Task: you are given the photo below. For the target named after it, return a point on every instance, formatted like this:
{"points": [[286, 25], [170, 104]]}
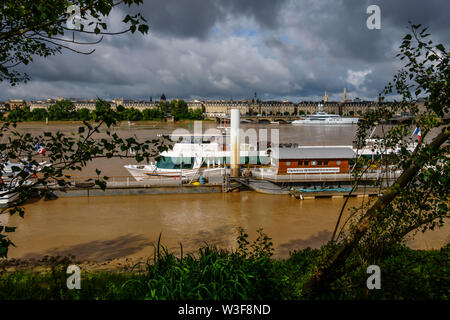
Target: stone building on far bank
{"points": [[15, 104]]}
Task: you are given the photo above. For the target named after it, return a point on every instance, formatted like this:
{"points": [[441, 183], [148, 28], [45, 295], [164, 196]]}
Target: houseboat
{"points": [[312, 159]]}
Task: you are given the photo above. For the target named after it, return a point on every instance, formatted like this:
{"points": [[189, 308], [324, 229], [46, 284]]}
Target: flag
{"points": [[39, 149], [29, 169], [417, 133]]}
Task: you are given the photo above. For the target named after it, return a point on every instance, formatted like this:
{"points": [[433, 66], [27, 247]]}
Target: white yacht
{"points": [[323, 118], [194, 155]]}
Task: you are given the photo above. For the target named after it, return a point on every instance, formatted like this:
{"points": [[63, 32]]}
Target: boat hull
{"points": [[326, 122], [7, 199], [148, 172]]}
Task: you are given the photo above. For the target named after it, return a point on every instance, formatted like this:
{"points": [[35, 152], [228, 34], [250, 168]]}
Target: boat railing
{"points": [[271, 174]]}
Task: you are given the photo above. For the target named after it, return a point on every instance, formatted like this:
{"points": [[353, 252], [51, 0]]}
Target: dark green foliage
{"points": [[39, 114], [152, 114], [405, 274], [61, 110], [65, 110], [83, 114], [180, 111], [102, 107], [18, 115]]}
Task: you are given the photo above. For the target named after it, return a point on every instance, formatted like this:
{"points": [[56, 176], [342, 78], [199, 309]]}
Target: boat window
{"points": [[314, 162], [338, 162], [168, 163], [320, 163], [288, 163], [325, 163], [165, 163], [305, 163], [187, 165]]}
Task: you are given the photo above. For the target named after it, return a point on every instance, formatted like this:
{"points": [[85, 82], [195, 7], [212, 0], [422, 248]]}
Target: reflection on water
{"points": [[101, 228]]}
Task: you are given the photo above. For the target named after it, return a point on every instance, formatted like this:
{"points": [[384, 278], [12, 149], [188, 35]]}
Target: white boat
{"points": [[6, 198], [7, 170], [197, 155], [323, 118], [11, 178], [7, 194]]}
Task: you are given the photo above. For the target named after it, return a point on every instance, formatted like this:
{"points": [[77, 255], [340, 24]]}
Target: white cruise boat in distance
{"points": [[323, 118], [195, 155]]}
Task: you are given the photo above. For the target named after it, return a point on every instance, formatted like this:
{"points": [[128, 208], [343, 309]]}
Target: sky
{"points": [[229, 49]]}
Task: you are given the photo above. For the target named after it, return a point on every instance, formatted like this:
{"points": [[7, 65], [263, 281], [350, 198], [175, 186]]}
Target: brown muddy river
{"points": [[102, 228]]}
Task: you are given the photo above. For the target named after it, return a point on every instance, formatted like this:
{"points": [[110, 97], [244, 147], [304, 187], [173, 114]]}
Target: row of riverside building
{"points": [[218, 108]]}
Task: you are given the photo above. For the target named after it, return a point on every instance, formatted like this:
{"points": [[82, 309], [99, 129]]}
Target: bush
{"points": [[249, 272]]}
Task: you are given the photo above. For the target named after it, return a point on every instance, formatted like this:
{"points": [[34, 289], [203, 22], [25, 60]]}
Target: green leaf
{"points": [[10, 229], [441, 47]]}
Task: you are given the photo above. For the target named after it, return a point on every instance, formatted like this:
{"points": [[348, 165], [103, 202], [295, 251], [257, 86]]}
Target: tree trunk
{"points": [[328, 272]]}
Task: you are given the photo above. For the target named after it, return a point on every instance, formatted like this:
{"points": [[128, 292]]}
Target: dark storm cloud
{"points": [[265, 12], [192, 18], [196, 18], [222, 49]]}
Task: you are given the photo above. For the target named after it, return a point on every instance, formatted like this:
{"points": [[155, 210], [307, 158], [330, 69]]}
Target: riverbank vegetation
{"points": [[64, 110], [249, 272]]}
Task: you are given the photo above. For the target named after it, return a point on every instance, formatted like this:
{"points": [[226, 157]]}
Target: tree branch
{"points": [[326, 273]]}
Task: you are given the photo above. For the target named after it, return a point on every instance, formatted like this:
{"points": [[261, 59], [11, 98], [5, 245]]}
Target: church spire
{"points": [[325, 97], [344, 99]]}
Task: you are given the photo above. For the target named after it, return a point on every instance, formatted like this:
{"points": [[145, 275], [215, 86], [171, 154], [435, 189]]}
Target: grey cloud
{"points": [[298, 50], [196, 18]]}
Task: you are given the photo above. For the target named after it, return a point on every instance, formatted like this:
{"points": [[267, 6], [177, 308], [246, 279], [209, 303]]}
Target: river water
{"points": [[108, 227]]}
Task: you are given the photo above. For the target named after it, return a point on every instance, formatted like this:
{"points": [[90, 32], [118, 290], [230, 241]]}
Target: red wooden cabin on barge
{"points": [[312, 159]]}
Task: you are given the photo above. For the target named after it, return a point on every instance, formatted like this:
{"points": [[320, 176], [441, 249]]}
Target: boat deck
{"points": [[272, 176]]}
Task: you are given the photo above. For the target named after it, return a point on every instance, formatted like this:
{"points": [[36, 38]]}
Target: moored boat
{"points": [[196, 155], [323, 118]]}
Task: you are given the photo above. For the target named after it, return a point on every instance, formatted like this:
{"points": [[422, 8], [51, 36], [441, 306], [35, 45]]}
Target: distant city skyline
{"points": [[325, 98], [215, 49]]}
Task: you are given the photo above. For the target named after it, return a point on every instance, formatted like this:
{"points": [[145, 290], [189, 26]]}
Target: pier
{"points": [[259, 180]]}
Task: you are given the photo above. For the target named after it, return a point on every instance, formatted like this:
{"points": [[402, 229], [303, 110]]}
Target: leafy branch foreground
{"points": [[249, 272]]}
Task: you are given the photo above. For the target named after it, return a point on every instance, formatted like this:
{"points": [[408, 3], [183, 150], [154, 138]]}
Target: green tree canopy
{"points": [[39, 114], [61, 110], [83, 114], [179, 109]]}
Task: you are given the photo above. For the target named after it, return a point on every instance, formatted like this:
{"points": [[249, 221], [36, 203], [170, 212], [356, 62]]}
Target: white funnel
{"points": [[235, 152]]}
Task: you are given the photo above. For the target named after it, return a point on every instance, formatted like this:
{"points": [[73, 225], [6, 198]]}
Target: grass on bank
{"points": [[246, 273]]}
